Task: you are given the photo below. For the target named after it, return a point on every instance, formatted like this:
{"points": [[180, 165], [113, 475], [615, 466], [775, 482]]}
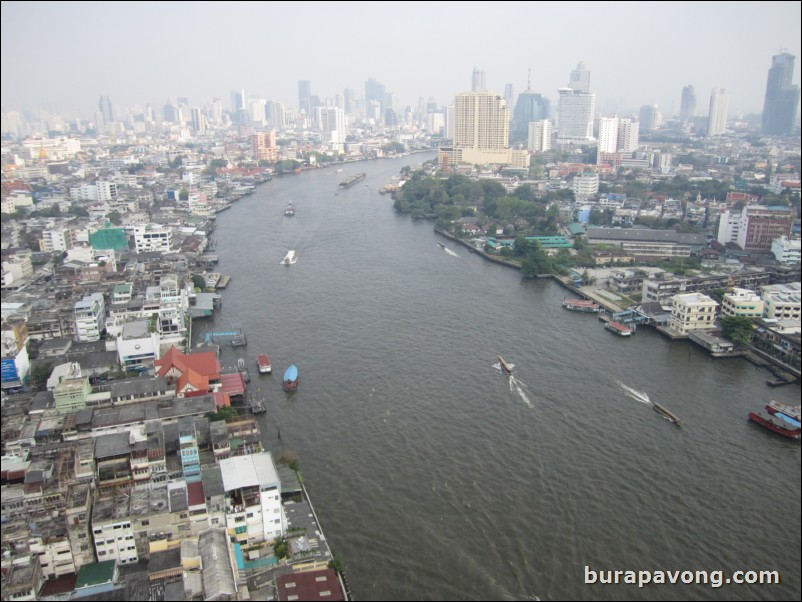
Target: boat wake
{"points": [[498, 367], [640, 396], [519, 388], [450, 252]]}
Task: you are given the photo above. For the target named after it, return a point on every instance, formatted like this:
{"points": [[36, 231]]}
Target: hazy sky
{"points": [[65, 55]]}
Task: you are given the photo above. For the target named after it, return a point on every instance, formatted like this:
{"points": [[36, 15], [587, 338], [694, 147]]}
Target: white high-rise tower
{"points": [[717, 118]]}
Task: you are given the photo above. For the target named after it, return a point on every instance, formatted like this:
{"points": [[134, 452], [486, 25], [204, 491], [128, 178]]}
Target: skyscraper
{"points": [[717, 117], [530, 107], [687, 107], [239, 114], [377, 92], [782, 98], [575, 110], [106, 110], [580, 79], [305, 96], [650, 118], [479, 83]]}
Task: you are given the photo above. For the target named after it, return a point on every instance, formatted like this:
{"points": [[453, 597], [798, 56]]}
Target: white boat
{"points": [[290, 210], [290, 258]]}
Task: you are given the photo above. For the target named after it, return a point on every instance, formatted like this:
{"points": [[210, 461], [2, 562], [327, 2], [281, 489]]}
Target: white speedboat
{"points": [[290, 258]]}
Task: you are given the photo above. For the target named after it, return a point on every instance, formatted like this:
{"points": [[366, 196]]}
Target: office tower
{"points": [[575, 111], [509, 95], [687, 107], [478, 82], [216, 111], [530, 107], [198, 121], [782, 98], [650, 118], [539, 139], [717, 117], [239, 113], [106, 110], [349, 98], [580, 79], [305, 96], [376, 92]]}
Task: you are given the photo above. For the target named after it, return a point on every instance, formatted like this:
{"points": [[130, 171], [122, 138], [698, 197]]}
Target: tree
{"points": [[39, 375], [336, 564], [115, 217], [738, 329], [226, 413], [198, 282]]}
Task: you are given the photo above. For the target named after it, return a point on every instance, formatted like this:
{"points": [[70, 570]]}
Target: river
{"points": [[434, 476]]}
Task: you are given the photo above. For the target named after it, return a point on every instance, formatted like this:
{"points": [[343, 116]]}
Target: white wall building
{"points": [[608, 134], [719, 108], [628, 135], [786, 250], [782, 301], [152, 237], [742, 302], [253, 498], [539, 136], [585, 185], [575, 113], [692, 311], [90, 317]]}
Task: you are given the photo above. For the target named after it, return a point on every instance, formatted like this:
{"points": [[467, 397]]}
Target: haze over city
{"points": [[64, 55]]}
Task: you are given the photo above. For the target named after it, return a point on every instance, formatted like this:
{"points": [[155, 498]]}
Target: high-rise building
{"points": [[376, 91], [106, 110], [575, 112], [509, 95], [530, 107], [539, 136], [481, 132], [650, 118], [305, 96], [478, 82], [263, 145], [687, 107], [333, 124], [782, 98], [349, 98], [239, 112], [580, 79], [717, 117], [628, 135], [608, 135], [198, 121]]}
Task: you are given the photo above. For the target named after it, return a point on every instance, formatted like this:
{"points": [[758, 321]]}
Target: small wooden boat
{"points": [[505, 367], [667, 414]]}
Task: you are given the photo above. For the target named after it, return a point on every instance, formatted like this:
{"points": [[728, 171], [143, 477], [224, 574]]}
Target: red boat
{"points": [[582, 305], [787, 427], [621, 330], [264, 363]]}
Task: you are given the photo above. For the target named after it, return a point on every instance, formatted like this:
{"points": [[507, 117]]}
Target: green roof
{"points": [[96, 573], [109, 238]]}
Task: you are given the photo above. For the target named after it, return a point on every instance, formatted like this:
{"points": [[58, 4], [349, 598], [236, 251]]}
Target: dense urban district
{"points": [[133, 465]]}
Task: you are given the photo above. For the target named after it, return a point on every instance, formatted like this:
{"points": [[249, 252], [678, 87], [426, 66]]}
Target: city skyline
{"points": [[67, 55]]}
